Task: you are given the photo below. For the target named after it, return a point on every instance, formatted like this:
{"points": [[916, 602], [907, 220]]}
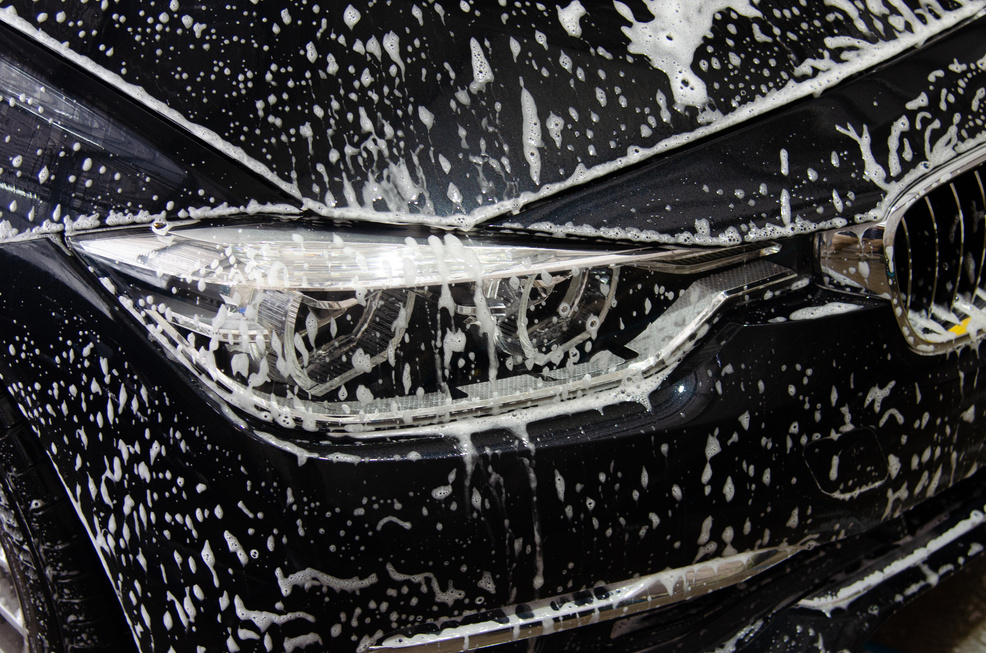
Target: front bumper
{"points": [[774, 434]]}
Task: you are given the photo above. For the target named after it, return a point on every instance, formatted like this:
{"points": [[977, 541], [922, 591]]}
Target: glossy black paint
{"points": [[103, 156], [212, 533], [767, 606], [331, 104], [200, 480], [719, 179]]}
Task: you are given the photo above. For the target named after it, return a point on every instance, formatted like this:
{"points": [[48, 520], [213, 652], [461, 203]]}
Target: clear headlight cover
{"points": [[348, 330]]}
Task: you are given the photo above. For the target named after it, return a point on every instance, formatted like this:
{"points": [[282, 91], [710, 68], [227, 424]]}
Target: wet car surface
{"points": [[436, 326]]}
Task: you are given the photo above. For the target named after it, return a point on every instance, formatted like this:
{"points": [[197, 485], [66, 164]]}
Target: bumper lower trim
{"points": [[581, 608], [827, 602]]}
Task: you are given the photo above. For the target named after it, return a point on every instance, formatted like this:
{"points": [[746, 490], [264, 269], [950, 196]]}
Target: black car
{"points": [[442, 325]]}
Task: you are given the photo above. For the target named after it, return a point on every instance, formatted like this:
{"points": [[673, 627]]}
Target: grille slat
{"points": [[921, 261], [966, 191], [956, 238], [935, 266], [977, 218], [904, 267]]}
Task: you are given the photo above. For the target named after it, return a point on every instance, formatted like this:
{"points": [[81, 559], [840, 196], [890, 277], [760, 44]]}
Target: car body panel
{"points": [[215, 527], [343, 542], [424, 123], [842, 157]]}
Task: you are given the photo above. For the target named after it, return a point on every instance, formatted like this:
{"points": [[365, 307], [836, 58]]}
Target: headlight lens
{"points": [[342, 330]]}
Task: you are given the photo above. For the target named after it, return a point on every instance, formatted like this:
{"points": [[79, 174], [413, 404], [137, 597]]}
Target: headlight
{"points": [[345, 330]]}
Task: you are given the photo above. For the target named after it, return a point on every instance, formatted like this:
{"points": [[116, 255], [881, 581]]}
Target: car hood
{"points": [[453, 113]]}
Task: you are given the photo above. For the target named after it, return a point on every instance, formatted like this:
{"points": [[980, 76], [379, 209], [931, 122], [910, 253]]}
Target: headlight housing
{"points": [[350, 330]]}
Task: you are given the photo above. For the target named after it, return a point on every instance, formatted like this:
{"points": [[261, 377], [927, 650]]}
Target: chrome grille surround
{"points": [[927, 256]]}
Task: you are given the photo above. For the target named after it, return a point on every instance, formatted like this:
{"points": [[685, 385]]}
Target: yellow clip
{"points": [[960, 329]]}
